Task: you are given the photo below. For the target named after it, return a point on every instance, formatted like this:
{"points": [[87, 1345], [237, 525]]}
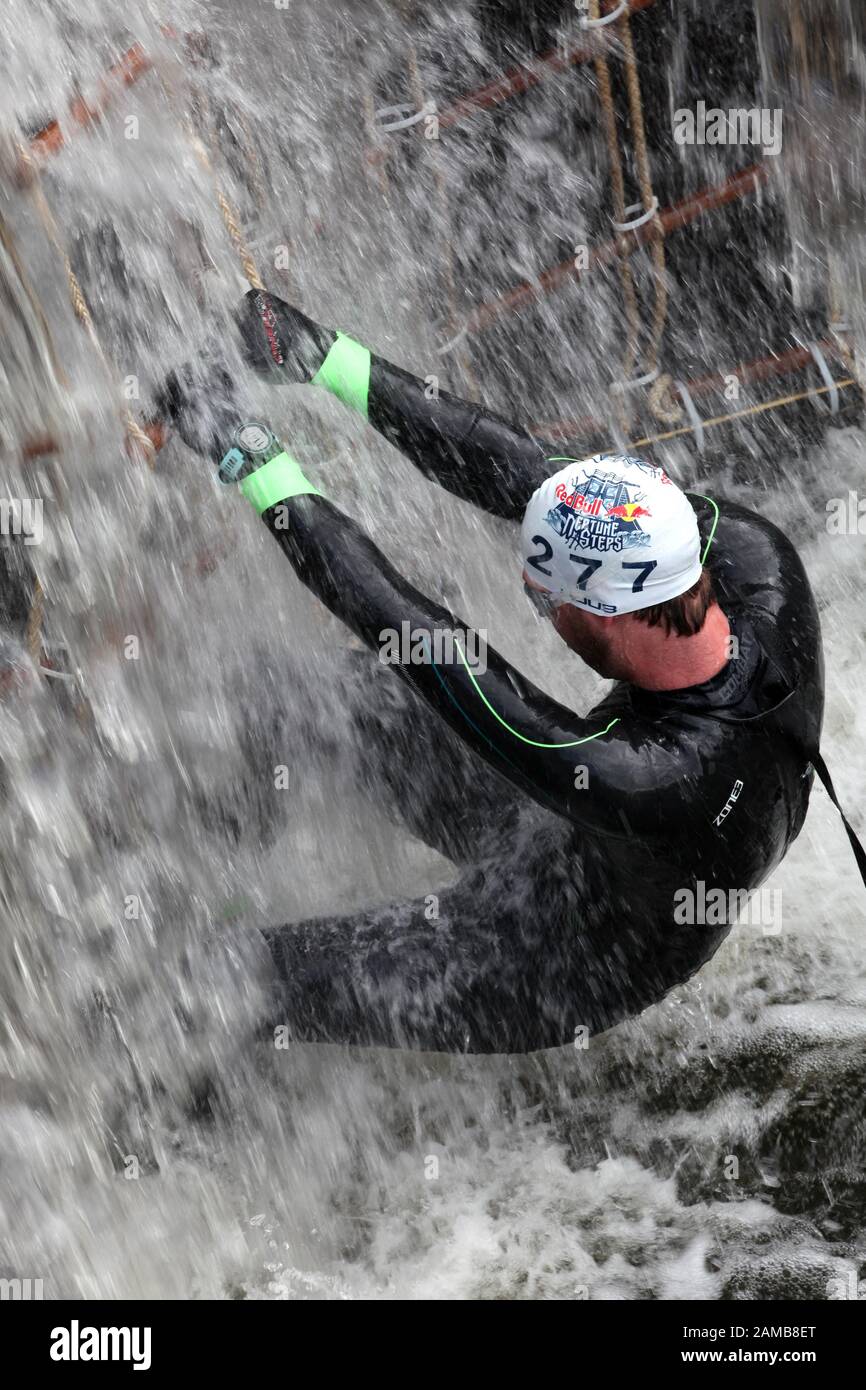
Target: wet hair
{"points": [[685, 614]]}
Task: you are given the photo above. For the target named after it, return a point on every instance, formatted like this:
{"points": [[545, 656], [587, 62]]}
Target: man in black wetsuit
{"points": [[580, 838]]}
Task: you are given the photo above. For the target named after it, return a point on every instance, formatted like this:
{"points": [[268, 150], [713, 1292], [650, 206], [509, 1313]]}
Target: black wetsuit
{"points": [[564, 916]]}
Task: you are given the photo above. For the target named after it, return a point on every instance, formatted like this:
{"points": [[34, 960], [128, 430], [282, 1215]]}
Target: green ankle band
{"points": [[276, 481], [345, 372]]}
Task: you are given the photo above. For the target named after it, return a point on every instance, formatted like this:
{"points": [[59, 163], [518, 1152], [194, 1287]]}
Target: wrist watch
{"points": [[253, 444]]}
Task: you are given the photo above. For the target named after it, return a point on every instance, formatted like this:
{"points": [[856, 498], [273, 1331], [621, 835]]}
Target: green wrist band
{"points": [[345, 372], [276, 481]]}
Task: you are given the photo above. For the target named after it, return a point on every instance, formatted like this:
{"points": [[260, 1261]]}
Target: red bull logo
{"points": [[597, 513], [590, 506], [629, 511]]}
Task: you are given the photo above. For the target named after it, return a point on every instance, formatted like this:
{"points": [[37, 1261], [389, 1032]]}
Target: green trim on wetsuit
{"points": [[711, 537], [345, 372], [574, 743], [276, 481]]}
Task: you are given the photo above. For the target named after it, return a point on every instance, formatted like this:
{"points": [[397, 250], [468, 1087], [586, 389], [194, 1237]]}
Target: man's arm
{"points": [[470, 451], [531, 740]]}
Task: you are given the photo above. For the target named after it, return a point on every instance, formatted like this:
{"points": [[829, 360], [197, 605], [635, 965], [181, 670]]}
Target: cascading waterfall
{"points": [[152, 1143]]}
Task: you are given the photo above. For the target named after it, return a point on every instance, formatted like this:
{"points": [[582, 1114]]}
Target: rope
{"points": [[661, 400], [35, 619], [740, 414], [661, 392], [140, 438], [236, 238], [650, 203], [632, 310], [230, 215]]}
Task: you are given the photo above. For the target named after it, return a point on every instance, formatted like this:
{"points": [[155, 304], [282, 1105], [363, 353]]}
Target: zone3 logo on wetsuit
{"points": [[730, 803]]}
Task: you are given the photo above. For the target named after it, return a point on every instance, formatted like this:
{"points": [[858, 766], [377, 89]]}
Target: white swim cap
{"points": [[612, 534]]}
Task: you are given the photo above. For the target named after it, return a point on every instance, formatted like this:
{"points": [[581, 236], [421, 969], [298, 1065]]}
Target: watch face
{"points": [[254, 439]]}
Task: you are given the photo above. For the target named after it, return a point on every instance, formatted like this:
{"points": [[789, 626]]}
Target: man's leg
{"points": [[503, 962]]}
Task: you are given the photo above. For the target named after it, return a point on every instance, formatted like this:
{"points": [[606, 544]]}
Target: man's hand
{"points": [[199, 401], [279, 341]]}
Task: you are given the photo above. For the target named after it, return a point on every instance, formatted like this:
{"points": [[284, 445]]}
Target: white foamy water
{"points": [[150, 1144]]}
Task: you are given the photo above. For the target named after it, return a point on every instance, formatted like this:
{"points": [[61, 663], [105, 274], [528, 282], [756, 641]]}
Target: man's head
{"points": [[612, 554]]}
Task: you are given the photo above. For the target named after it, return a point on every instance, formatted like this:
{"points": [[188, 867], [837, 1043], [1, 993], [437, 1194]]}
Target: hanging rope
{"points": [[660, 398], [663, 407], [230, 215], [629, 292], [35, 620], [236, 237]]}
